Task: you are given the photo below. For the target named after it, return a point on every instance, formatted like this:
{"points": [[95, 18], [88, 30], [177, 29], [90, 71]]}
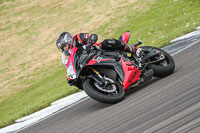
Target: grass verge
{"points": [[30, 81], [35, 98]]}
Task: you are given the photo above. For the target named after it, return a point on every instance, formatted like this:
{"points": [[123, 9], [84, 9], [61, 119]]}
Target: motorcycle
{"points": [[107, 75]]}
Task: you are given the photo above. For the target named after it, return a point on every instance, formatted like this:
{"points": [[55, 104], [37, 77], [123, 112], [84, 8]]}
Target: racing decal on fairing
{"points": [[133, 76], [96, 60]]}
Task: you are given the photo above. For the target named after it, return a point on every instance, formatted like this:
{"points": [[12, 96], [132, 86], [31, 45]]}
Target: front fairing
{"points": [[70, 68], [127, 72], [65, 58]]}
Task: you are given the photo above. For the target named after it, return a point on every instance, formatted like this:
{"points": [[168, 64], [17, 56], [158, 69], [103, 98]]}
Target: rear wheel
{"points": [[111, 92], [164, 67]]}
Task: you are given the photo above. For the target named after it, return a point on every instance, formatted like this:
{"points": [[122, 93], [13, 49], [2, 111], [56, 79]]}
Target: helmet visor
{"points": [[64, 45], [68, 39]]}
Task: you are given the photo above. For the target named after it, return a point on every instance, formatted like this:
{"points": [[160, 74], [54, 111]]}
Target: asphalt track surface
{"points": [[167, 105]]}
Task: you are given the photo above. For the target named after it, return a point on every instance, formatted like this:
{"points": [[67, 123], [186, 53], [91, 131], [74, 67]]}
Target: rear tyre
{"points": [[96, 93], [164, 67]]}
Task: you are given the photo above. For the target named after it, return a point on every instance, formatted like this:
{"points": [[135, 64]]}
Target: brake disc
{"points": [[109, 88]]}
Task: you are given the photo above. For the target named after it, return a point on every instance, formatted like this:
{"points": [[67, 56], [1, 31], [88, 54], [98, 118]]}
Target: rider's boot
{"points": [[129, 48]]}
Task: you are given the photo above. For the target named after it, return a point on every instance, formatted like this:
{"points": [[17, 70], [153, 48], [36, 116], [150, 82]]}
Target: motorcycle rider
{"points": [[83, 41]]}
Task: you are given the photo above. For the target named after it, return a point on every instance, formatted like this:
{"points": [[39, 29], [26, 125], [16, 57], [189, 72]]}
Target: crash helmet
{"points": [[64, 39]]}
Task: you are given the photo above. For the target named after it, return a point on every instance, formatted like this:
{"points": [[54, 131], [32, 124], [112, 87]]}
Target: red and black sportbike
{"points": [[107, 75]]}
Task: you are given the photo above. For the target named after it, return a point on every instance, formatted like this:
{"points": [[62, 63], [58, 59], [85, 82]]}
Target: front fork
{"points": [[97, 77], [102, 81]]}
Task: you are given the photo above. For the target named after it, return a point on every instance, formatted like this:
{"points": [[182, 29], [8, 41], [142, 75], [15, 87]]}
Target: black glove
{"points": [[92, 39]]}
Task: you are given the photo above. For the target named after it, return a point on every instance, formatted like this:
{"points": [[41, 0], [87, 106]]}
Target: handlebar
{"points": [[97, 47], [90, 48]]}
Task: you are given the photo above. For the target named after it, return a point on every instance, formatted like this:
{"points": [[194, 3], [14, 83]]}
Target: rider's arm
{"points": [[85, 38], [81, 38], [84, 41]]}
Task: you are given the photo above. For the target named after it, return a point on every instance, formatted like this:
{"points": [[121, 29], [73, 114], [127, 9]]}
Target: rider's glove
{"points": [[92, 39]]}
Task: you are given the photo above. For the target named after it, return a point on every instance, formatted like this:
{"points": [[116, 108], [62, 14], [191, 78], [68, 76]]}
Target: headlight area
{"points": [[70, 72]]}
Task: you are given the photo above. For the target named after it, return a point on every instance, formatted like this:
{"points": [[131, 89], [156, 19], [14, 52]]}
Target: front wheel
{"points": [[109, 94], [164, 67]]}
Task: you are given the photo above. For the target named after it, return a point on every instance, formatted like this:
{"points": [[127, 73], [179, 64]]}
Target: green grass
{"points": [[156, 22], [35, 98], [157, 26]]}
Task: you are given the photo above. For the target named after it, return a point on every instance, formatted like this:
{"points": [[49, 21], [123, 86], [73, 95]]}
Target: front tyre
{"points": [[164, 67], [110, 97]]}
